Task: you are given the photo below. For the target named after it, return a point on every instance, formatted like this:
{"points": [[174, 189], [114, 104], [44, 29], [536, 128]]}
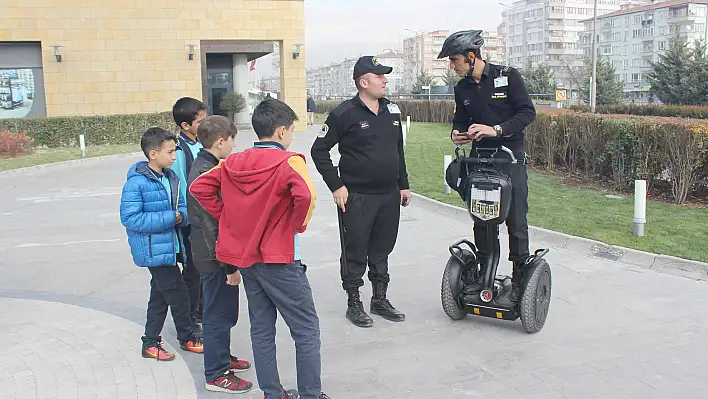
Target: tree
{"points": [[668, 76], [423, 80], [233, 102], [609, 89], [450, 78], [675, 77], [539, 79], [275, 59], [699, 73]]}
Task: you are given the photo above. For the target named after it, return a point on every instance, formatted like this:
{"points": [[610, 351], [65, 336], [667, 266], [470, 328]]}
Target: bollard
{"points": [[447, 160], [640, 207], [82, 144], [408, 122], [404, 130]]}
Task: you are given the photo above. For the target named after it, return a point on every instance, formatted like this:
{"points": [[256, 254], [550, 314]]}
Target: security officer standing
{"points": [[493, 108], [369, 188]]}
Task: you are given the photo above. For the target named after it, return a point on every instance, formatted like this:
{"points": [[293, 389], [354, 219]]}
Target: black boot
{"points": [[516, 276], [355, 310], [381, 306]]}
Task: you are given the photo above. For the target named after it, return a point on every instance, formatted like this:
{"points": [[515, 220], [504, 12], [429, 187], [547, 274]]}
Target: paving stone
{"points": [[614, 330]]}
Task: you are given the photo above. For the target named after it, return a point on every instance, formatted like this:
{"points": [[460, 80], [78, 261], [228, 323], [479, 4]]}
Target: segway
{"points": [[486, 191]]}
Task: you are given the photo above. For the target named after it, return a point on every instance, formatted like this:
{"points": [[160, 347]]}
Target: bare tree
{"points": [[276, 57], [577, 73]]}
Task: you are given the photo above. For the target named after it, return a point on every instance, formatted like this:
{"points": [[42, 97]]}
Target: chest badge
{"points": [[364, 124], [501, 81], [396, 123], [393, 108], [498, 95]]}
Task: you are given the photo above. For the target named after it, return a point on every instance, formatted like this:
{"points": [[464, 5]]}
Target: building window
{"points": [[21, 86], [678, 12]]}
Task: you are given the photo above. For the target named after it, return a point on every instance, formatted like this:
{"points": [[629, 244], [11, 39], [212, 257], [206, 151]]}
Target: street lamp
{"points": [[593, 79]]}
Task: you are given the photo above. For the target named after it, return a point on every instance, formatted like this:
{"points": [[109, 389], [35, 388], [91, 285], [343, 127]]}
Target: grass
{"points": [[49, 155], [585, 212]]}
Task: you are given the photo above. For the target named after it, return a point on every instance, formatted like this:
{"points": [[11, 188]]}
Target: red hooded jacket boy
{"points": [[262, 197]]}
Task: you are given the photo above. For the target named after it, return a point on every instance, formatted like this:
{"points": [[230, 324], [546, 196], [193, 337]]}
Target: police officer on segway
{"points": [[492, 109]]}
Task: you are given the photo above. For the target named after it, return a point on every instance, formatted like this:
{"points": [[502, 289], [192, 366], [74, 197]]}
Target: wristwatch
{"points": [[498, 129]]}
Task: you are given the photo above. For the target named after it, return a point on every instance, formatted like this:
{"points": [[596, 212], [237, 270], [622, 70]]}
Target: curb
{"points": [[585, 246], [71, 162]]}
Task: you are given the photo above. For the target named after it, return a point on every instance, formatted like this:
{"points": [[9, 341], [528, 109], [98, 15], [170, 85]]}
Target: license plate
{"points": [[484, 204]]}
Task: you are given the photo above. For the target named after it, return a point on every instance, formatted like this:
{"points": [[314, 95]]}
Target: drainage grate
{"points": [[607, 255]]}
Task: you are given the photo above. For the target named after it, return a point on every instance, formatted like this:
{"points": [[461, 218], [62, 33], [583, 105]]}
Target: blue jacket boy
{"points": [[148, 211]]}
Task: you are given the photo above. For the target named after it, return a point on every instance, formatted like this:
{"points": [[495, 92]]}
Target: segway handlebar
{"points": [[488, 161], [491, 160]]}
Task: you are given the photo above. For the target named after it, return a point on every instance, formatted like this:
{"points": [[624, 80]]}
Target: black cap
{"points": [[368, 64]]}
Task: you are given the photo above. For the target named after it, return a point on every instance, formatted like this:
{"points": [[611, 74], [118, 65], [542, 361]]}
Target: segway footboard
{"points": [[473, 307]]}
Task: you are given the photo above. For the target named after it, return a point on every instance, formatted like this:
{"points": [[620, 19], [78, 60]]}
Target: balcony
{"points": [[554, 39], [560, 51]]}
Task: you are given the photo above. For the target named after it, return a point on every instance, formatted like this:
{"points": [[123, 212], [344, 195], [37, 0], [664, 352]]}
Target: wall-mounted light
{"points": [[191, 51], [57, 53], [296, 53]]}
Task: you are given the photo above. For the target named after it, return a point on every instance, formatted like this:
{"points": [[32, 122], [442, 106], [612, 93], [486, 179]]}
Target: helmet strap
{"points": [[471, 63]]}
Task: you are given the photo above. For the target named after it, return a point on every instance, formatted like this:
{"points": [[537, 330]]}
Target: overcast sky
{"points": [[337, 29]]}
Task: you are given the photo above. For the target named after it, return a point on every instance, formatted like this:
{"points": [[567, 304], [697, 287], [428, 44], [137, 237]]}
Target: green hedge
{"points": [[111, 129], [434, 111], [617, 149], [680, 111], [670, 153]]}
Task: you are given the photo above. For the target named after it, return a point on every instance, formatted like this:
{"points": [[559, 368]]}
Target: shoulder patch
{"points": [[340, 109], [323, 131]]}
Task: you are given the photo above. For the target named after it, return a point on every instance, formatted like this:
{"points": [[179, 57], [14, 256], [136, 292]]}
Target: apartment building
{"points": [[421, 55], [397, 60], [335, 80], [494, 49], [634, 38], [549, 32]]}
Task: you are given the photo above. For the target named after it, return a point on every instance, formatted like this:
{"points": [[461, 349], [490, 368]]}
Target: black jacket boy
{"points": [[205, 228]]}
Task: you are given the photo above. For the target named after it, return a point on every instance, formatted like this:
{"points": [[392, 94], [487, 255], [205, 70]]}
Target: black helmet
{"points": [[461, 43]]}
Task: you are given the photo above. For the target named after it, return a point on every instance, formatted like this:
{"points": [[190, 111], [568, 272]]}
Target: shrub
{"points": [[681, 111], [98, 130], [326, 106], [14, 144], [233, 102], [616, 148], [435, 111], [621, 149]]}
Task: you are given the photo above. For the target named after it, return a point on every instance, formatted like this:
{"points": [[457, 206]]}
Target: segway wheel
{"points": [[452, 285], [536, 299]]}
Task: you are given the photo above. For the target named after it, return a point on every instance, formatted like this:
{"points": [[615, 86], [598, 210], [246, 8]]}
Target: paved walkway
{"points": [[72, 309]]}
